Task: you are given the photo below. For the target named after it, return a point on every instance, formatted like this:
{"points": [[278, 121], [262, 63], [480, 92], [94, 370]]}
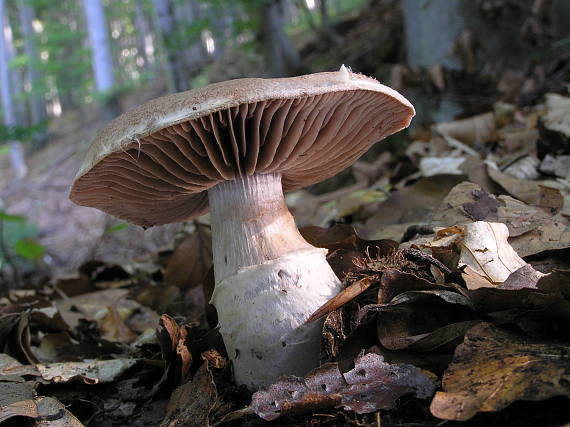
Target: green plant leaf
{"points": [[11, 218], [117, 227], [29, 249]]}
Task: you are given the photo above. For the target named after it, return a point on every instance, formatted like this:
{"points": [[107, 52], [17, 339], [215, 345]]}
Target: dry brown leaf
{"points": [[191, 403], [493, 368], [412, 205], [532, 229], [174, 348], [486, 250], [46, 411], [477, 129], [91, 372], [343, 297], [474, 280], [531, 192], [408, 321], [191, 260], [113, 327]]}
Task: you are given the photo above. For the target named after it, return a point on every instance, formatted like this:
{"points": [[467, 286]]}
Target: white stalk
{"points": [[269, 280]]}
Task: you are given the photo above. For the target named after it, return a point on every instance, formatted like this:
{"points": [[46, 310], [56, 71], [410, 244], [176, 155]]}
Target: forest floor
{"points": [[454, 253]]}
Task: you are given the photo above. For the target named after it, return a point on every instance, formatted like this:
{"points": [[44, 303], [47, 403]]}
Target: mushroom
{"points": [[234, 147]]}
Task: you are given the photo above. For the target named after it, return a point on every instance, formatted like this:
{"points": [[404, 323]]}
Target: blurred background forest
{"points": [[69, 66]]}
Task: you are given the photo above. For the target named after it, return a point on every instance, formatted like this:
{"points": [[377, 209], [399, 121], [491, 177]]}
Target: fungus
{"points": [[234, 147]]}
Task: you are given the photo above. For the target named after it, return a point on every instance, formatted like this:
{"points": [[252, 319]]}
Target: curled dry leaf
{"points": [[91, 372], [493, 369], [372, 385], [173, 344], [485, 249]]}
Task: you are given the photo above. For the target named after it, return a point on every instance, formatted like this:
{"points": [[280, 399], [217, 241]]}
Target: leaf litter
{"points": [[456, 300]]}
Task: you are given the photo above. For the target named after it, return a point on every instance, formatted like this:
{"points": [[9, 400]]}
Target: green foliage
{"points": [[22, 133], [17, 238]]}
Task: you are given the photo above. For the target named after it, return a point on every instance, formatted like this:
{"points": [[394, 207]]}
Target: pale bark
{"points": [[37, 102], [10, 120], [177, 81], [100, 47], [143, 35], [195, 55], [102, 59]]}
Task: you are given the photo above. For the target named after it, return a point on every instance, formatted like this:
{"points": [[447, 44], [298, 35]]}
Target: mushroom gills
{"points": [[269, 280]]}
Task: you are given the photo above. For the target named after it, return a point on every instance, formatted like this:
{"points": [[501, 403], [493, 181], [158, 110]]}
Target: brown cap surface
{"points": [[152, 165]]}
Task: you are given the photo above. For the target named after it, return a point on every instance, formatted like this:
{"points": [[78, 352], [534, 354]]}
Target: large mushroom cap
{"points": [[152, 165]]}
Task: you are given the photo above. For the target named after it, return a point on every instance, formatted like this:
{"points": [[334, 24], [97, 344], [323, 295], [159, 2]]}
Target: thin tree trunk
{"points": [[281, 56], [16, 152], [143, 34], [194, 53], [326, 24], [164, 13], [102, 60], [37, 102]]}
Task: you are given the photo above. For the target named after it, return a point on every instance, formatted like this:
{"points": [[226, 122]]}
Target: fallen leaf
{"points": [[46, 411], [476, 129], [431, 166], [191, 260], [408, 322], [486, 250], [412, 205], [493, 368], [343, 297], [191, 403], [90, 372], [372, 385], [531, 192], [524, 277], [173, 344], [113, 327]]}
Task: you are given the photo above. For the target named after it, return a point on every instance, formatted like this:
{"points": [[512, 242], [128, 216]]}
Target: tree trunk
{"points": [[16, 152], [143, 35], [37, 102], [326, 24], [102, 60], [194, 53], [281, 56], [174, 61], [431, 28]]}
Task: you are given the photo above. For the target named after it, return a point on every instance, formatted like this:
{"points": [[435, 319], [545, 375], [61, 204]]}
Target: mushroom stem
{"points": [[269, 280]]}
